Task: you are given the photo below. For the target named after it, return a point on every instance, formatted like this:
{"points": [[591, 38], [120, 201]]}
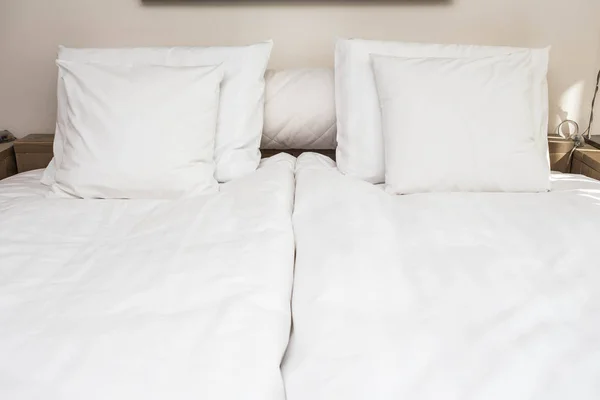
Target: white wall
{"points": [[304, 34]]}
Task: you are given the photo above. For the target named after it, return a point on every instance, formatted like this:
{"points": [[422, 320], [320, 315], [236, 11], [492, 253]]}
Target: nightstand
{"points": [[586, 161], [33, 151], [8, 165], [559, 150]]}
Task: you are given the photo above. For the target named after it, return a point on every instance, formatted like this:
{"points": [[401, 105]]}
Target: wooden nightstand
{"points": [[33, 151], [8, 164], [586, 161], [559, 150]]}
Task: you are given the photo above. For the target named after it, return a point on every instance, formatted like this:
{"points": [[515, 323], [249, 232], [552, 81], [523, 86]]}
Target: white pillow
{"points": [[477, 114], [299, 109], [241, 105], [360, 141], [138, 131]]}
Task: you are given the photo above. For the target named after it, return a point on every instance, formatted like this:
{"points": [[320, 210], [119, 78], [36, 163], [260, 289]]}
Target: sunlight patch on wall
{"points": [[571, 104]]}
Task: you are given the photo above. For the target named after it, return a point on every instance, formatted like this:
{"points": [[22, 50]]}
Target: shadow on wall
{"points": [[577, 99]]}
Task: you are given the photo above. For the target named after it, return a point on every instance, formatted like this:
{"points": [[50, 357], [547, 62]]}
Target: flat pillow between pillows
{"points": [[119, 120], [469, 124]]}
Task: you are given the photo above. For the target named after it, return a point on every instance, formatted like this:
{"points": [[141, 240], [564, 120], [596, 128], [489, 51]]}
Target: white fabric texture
{"points": [[117, 120], [443, 295], [299, 109], [478, 114], [241, 106], [147, 299], [360, 151]]}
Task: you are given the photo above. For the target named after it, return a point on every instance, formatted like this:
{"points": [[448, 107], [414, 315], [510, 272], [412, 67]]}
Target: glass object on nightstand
{"points": [[6, 136]]}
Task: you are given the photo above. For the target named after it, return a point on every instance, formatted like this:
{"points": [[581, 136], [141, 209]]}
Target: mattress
{"points": [[131, 299], [443, 296]]}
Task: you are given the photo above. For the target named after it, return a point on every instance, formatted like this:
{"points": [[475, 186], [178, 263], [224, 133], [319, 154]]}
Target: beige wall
{"points": [[304, 34]]}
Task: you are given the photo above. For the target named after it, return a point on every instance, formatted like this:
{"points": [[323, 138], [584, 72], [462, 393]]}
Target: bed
{"points": [[443, 295], [132, 299]]}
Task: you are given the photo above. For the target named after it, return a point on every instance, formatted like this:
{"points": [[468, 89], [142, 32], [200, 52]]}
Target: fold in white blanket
{"points": [[443, 296], [131, 299]]}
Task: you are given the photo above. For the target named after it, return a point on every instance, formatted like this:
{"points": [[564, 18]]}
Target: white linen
{"points": [[299, 109], [360, 151], [465, 102], [118, 120], [139, 299], [241, 106], [443, 295]]}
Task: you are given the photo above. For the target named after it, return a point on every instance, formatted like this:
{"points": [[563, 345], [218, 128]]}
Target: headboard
{"points": [[299, 112]]}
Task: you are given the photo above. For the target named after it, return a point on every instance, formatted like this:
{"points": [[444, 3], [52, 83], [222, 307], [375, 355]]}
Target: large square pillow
{"points": [[452, 124], [241, 104], [360, 141], [138, 131]]}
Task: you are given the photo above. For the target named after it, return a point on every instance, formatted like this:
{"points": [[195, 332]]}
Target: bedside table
{"points": [[33, 151], [8, 164], [559, 150], [586, 161]]}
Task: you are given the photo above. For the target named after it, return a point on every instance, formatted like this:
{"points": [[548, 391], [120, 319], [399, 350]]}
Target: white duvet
{"points": [[443, 296], [111, 299]]}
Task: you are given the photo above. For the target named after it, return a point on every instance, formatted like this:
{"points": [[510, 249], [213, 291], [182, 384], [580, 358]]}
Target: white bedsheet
{"points": [[443, 296], [111, 299]]}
